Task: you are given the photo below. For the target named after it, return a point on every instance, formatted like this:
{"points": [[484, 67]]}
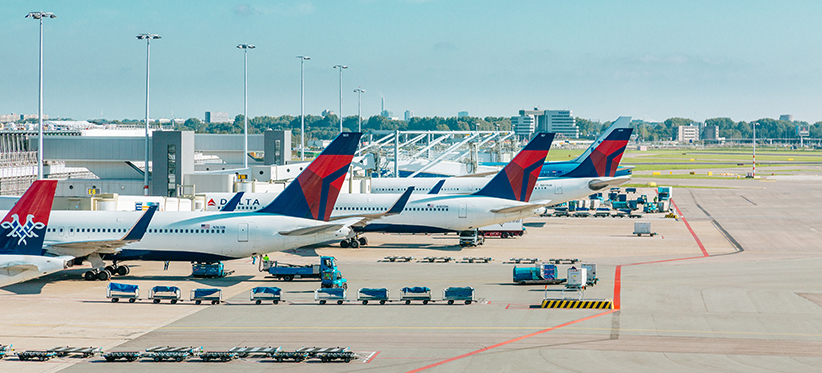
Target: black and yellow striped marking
{"points": [[565, 303]]}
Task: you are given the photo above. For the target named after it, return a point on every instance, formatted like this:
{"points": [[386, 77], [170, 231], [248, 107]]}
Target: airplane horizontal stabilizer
{"points": [[598, 184], [394, 210], [514, 209], [307, 231]]}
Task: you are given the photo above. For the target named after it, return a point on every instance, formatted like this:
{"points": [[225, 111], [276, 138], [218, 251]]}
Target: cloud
{"points": [[245, 10], [444, 46]]}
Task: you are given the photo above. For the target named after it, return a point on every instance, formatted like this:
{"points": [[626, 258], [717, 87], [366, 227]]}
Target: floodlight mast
{"points": [[148, 38], [341, 67], [302, 105], [39, 16], [245, 48]]}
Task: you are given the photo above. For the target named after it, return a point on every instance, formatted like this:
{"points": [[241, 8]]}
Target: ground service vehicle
{"points": [[326, 271]]}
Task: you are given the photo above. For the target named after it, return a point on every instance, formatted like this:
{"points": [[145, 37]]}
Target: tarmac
{"points": [[731, 285]]}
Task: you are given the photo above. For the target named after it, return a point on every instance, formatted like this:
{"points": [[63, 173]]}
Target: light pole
{"points": [[147, 38], [302, 105], [359, 91], [40, 16], [753, 164], [245, 48], [341, 67]]}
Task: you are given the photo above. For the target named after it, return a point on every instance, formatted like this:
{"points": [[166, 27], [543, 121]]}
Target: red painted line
{"points": [[698, 242], [617, 300], [617, 286], [372, 357], [509, 305], [510, 341]]}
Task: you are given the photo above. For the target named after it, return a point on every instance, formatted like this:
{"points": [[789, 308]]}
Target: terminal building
{"points": [[556, 121]]}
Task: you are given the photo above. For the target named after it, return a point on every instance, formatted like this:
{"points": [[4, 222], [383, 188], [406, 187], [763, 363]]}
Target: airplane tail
{"points": [[604, 160], [24, 227], [231, 205], [516, 181], [313, 194]]}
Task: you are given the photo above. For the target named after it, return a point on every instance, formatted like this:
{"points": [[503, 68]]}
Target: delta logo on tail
{"points": [[313, 194], [24, 227], [604, 160], [516, 181]]}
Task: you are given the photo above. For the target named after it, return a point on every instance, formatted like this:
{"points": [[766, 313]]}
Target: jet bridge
{"points": [[445, 153]]}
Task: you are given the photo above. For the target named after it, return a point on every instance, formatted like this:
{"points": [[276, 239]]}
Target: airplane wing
{"points": [[80, 249], [530, 206], [397, 208], [325, 228]]}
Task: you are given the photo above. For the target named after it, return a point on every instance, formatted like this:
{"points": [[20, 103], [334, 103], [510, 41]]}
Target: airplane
{"points": [[506, 197], [299, 216], [595, 172], [22, 256]]}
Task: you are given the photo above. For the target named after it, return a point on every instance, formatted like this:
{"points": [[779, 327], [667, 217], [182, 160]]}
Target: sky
{"points": [[652, 59]]}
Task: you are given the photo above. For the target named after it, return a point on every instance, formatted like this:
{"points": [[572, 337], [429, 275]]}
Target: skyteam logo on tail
{"points": [[22, 231]]}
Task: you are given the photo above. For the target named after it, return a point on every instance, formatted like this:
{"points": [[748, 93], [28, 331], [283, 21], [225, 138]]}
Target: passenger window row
{"points": [[195, 231]]}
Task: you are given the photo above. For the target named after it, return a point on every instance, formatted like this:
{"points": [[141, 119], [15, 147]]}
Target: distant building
{"points": [[8, 118], [217, 117], [710, 133], [786, 117], [462, 114], [408, 115], [687, 134], [327, 113], [556, 121], [523, 125]]}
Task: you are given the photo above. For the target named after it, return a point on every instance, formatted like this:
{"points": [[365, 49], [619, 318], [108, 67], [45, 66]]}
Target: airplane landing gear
{"points": [[106, 273], [97, 274], [120, 270], [353, 242]]}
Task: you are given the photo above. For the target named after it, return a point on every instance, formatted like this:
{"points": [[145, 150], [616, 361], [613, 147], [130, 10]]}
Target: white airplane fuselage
{"points": [[557, 190], [187, 236], [422, 214]]}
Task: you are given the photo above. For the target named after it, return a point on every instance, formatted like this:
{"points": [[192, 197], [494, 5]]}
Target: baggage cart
{"points": [[160, 292], [421, 293], [582, 212], [435, 259], [621, 213], [62, 351], [222, 356], [324, 295], [124, 355], [523, 260], [4, 350], [463, 294], [602, 212], [642, 227], [115, 291], [178, 354], [41, 355], [266, 293], [215, 296], [249, 351], [396, 258], [281, 356], [560, 211], [475, 259], [591, 270], [365, 295]]}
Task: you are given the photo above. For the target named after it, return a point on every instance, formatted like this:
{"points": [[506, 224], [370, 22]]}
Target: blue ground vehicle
{"points": [[326, 271]]}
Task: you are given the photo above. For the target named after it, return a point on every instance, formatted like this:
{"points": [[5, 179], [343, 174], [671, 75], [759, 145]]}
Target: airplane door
{"points": [[242, 232], [463, 210], [558, 189]]}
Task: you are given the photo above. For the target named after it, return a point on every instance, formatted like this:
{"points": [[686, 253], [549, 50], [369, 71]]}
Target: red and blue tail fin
{"points": [[516, 181], [604, 160], [313, 194], [24, 227]]}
